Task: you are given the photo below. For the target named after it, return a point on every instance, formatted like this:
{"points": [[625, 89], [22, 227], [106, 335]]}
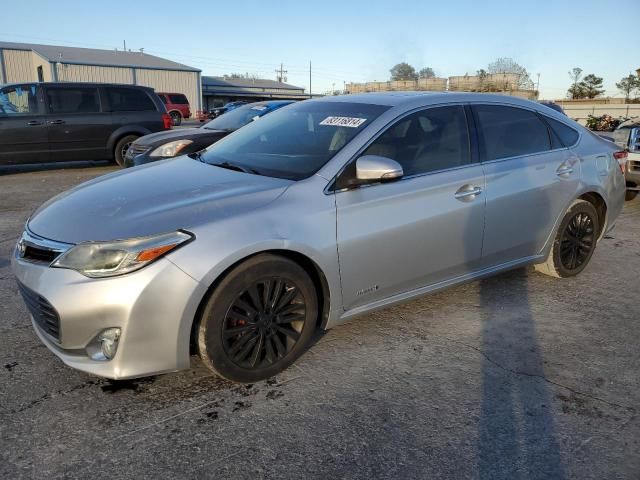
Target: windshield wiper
{"points": [[236, 167]]}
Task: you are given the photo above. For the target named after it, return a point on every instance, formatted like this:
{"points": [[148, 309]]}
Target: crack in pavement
{"points": [[542, 377]]}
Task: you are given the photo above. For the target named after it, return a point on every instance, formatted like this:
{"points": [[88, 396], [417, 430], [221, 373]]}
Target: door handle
{"points": [[564, 170], [467, 192], [34, 123], [56, 122]]}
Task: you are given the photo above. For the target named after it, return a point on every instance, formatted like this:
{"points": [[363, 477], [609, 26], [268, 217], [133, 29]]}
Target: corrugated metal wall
{"points": [[171, 81], [93, 73], [38, 61], [18, 66]]}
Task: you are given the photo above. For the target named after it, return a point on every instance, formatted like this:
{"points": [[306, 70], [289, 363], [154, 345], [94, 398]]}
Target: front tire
{"points": [[120, 150], [258, 320], [575, 241]]}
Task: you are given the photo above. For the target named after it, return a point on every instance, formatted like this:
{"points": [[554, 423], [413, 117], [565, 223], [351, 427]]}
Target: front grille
{"points": [[38, 254], [634, 166], [42, 311]]}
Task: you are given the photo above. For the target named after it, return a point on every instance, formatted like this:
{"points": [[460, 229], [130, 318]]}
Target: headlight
{"points": [[107, 259], [170, 149]]}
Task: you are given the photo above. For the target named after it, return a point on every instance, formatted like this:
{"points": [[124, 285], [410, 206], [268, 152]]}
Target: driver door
{"points": [[422, 229]]}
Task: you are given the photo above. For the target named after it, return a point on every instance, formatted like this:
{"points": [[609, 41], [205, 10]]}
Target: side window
{"points": [[567, 135], [73, 100], [509, 131], [426, 141], [20, 100], [124, 99], [178, 99]]}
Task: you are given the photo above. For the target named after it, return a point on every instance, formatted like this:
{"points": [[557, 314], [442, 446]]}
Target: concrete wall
{"points": [[580, 112]]}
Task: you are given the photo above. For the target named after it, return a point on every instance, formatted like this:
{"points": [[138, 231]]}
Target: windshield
{"points": [[237, 117], [294, 142]]}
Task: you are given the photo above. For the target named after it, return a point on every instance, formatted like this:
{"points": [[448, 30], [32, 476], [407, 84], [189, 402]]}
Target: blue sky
{"points": [[350, 41]]}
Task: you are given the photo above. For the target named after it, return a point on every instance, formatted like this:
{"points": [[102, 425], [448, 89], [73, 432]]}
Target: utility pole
{"points": [[280, 74], [538, 86], [310, 96], [124, 42]]}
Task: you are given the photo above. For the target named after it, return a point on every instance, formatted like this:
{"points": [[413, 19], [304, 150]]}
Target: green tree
{"points": [[508, 65], [403, 71], [575, 91], [426, 72], [592, 86], [628, 85]]}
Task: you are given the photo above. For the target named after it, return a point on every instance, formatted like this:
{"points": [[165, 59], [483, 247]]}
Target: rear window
{"points": [[567, 135], [178, 99], [73, 100], [129, 100], [509, 132]]}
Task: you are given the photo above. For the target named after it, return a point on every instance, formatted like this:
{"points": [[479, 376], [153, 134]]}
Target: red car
{"points": [[177, 106]]}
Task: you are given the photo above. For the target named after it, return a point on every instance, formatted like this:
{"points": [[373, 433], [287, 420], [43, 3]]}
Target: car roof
{"points": [[393, 99]]}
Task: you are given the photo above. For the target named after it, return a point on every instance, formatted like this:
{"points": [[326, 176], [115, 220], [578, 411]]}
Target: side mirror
{"points": [[375, 168]]}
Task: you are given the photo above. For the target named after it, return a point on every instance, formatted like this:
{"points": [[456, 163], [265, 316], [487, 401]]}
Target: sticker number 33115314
{"points": [[351, 122]]}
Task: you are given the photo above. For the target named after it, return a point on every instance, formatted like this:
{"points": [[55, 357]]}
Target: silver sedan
{"points": [[322, 211]]}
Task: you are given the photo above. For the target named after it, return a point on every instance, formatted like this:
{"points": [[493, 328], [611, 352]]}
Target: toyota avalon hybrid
{"points": [[319, 212]]}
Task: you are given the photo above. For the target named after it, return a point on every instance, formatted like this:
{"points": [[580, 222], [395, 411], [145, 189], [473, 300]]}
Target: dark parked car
{"points": [[158, 146], [50, 122]]}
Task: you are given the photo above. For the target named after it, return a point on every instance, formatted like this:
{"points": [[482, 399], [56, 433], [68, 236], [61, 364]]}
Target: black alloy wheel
{"points": [[264, 323], [577, 242], [259, 319]]}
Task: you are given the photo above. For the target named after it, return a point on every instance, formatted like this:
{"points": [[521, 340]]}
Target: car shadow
{"points": [[516, 429]]}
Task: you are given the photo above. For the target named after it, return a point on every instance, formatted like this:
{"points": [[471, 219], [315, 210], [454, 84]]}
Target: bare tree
{"points": [[508, 65], [575, 91]]}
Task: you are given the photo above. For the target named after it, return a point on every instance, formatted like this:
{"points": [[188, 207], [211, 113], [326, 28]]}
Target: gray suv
{"points": [[317, 213], [51, 122]]}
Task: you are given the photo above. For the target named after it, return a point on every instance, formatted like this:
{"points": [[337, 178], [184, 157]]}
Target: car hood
{"points": [[156, 198], [160, 138]]}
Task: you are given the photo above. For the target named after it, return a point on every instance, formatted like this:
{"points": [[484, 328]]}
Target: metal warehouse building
{"points": [[25, 62], [219, 90]]}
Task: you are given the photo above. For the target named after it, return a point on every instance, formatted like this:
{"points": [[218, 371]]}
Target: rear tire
{"points": [[575, 242], [258, 320], [176, 118], [121, 148]]}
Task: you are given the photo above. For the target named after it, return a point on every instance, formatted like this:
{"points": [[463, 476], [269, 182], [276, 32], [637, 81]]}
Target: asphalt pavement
{"points": [[520, 376]]}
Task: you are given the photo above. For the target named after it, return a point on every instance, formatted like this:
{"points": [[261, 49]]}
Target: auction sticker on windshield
{"points": [[351, 122]]}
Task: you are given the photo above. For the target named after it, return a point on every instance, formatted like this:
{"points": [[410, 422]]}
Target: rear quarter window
{"points": [[178, 99], [122, 99], [567, 135]]}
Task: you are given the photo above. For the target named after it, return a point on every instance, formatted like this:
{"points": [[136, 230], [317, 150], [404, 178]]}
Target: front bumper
{"points": [[154, 307]]}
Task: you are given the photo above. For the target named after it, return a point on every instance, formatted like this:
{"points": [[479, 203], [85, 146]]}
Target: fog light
{"points": [[105, 345]]}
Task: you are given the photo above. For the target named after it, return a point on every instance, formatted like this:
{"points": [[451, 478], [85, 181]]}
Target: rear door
{"points": [[78, 129], [23, 127], [530, 178], [420, 230]]}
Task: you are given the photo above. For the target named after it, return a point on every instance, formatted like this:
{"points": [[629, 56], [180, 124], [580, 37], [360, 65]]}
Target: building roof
{"points": [[92, 56], [247, 83]]}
